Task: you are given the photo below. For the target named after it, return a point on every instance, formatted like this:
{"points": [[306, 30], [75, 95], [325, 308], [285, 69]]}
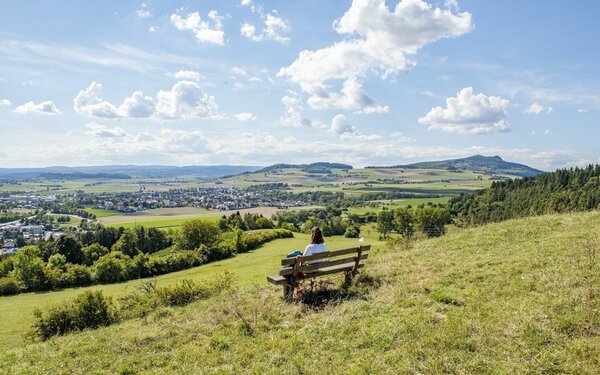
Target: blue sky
{"points": [[367, 82]]}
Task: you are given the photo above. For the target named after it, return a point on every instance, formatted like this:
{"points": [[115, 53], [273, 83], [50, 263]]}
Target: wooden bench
{"points": [[300, 268]]}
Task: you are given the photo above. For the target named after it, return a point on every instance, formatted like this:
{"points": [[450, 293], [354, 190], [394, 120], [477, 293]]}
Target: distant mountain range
{"points": [[125, 171], [477, 163]]}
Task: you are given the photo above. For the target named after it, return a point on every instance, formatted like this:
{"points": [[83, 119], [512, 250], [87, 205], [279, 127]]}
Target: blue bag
{"points": [[294, 254]]}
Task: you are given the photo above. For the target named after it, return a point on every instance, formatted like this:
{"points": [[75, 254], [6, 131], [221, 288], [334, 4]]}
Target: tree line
{"points": [[109, 255], [565, 190]]}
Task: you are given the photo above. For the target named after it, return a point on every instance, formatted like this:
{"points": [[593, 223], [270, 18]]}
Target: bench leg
{"points": [[288, 291], [347, 279]]}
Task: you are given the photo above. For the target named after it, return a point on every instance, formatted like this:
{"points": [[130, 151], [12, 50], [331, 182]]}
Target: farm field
{"points": [[375, 206], [501, 298], [166, 218], [248, 268]]}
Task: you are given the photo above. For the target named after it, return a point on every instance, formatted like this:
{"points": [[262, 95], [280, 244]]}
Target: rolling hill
{"points": [[513, 297], [477, 163]]}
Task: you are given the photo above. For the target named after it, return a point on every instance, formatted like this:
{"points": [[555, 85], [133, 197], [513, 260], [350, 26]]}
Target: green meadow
{"points": [[519, 296]]}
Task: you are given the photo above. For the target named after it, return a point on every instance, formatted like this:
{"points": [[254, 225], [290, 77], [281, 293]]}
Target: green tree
{"points": [[194, 233], [29, 268], [70, 248], [111, 267], [431, 220], [93, 252], [404, 221], [127, 243], [57, 261], [385, 222]]}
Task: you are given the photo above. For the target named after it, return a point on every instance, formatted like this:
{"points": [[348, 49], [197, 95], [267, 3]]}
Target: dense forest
{"points": [[565, 190]]}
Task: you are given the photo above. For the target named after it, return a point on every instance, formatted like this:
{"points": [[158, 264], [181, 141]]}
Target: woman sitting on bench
{"points": [[317, 244]]}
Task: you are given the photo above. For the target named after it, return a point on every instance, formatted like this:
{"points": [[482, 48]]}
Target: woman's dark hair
{"points": [[316, 236]]}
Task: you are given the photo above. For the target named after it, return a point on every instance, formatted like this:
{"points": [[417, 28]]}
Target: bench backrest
{"points": [[300, 264]]}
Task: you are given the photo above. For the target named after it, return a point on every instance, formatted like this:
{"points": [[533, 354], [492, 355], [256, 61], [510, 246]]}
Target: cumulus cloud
{"points": [[537, 108], [245, 116], [44, 108], [204, 31], [341, 127], [4, 102], [101, 131], [184, 100], [143, 11], [292, 115], [274, 28], [381, 41], [188, 75], [467, 113]]}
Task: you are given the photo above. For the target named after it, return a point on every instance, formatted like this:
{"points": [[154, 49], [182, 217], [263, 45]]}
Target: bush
{"points": [[197, 232], [87, 310], [352, 231], [111, 267], [93, 252], [9, 286], [256, 238], [6, 265], [78, 275]]}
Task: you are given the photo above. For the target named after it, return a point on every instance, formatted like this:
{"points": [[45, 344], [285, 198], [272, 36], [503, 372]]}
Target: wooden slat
{"points": [[325, 255], [315, 266], [330, 270], [276, 279]]}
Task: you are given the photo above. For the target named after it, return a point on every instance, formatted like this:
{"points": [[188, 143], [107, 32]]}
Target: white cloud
{"points": [[245, 3], [184, 100], [238, 71], [582, 110], [27, 83], [89, 102], [245, 116], [143, 11], [152, 29], [293, 112], [381, 41], [189, 75], [137, 106], [341, 127], [467, 113], [101, 131], [4, 102], [203, 30], [537, 108], [44, 108], [274, 29]]}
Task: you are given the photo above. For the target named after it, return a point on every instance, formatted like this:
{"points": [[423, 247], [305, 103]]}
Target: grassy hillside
{"points": [[520, 296], [16, 312]]}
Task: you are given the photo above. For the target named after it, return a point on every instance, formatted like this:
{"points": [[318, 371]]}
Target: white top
{"points": [[315, 249]]}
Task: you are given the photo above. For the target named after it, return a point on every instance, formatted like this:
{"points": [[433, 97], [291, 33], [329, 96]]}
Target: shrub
{"points": [[8, 286], [78, 275], [6, 265], [87, 310], [111, 267], [57, 261], [256, 238], [352, 231]]}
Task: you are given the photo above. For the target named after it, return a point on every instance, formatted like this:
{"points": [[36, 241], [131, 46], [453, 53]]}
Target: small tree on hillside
{"points": [[385, 222]]}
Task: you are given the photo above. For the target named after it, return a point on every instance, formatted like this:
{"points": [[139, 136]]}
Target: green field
{"points": [[101, 212], [396, 203], [515, 297], [252, 267]]}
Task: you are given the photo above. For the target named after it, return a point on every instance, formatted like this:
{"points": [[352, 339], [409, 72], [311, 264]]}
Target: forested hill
{"points": [[561, 191], [478, 163]]}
